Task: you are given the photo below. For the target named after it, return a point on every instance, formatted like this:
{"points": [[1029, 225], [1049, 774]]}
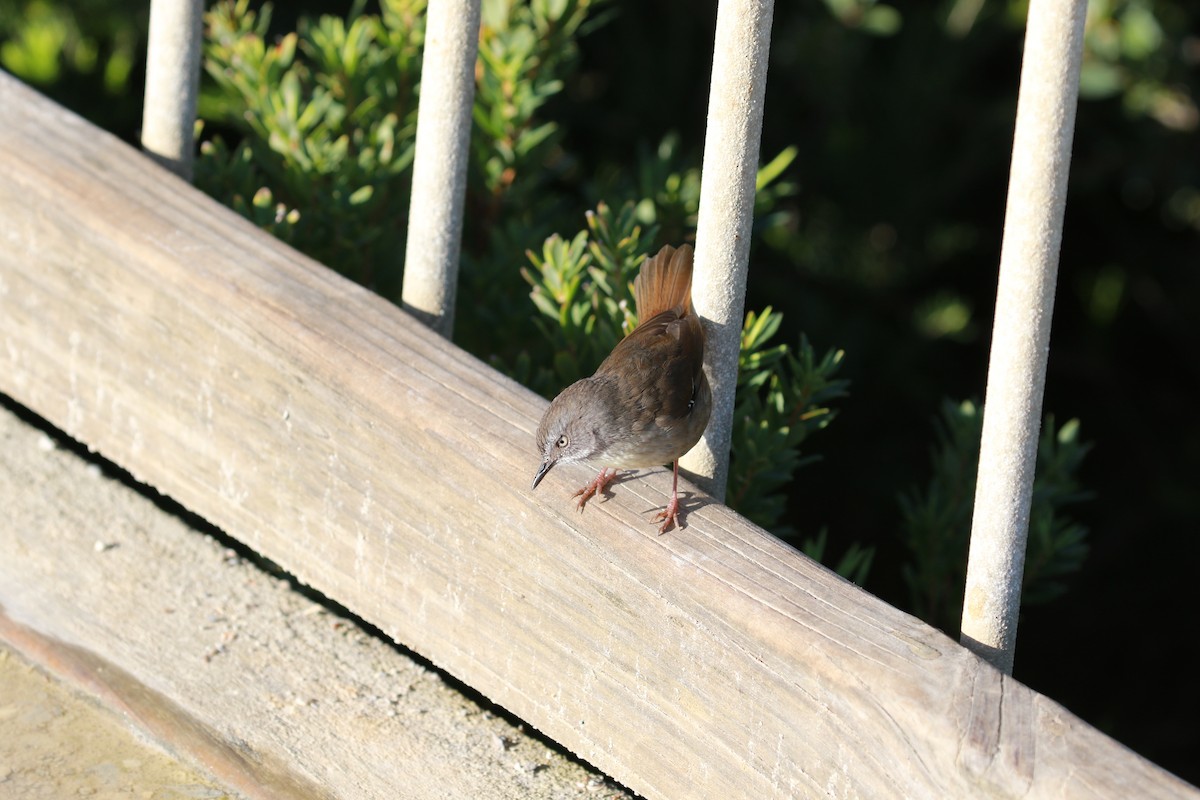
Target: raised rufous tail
{"points": [[664, 282]]}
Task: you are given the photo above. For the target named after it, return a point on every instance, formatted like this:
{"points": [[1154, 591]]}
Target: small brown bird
{"points": [[649, 401]]}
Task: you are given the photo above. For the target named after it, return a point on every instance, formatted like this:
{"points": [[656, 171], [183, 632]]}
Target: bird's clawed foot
{"points": [[669, 515], [597, 486]]}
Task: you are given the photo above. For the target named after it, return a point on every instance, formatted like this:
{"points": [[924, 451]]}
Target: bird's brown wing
{"points": [[661, 363]]}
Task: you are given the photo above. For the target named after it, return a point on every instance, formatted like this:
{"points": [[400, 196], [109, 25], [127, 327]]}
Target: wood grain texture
{"points": [[327, 430], [226, 665]]}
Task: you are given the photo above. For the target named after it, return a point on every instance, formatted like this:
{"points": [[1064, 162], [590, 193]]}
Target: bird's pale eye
{"points": [[562, 441]]}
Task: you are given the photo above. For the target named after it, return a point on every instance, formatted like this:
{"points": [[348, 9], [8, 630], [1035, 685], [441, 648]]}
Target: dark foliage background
{"points": [[903, 123]]}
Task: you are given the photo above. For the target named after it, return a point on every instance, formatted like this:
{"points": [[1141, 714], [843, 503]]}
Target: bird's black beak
{"points": [[541, 473]]}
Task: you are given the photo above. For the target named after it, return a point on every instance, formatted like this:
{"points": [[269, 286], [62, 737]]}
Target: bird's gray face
{"points": [[568, 431]]}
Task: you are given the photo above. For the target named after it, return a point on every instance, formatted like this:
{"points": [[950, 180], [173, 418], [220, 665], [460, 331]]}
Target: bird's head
{"points": [[571, 428]]}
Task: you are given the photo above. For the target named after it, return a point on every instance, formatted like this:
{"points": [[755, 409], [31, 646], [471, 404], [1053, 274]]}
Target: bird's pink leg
{"points": [[599, 485], [670, 514]]}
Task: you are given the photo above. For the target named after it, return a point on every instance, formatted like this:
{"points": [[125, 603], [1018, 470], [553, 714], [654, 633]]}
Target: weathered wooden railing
{"points": [[386, 468]]}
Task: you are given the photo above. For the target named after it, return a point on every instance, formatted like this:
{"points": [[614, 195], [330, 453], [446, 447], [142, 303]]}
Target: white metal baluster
{"points": [[440, 172], [1021, 332], [731, 145], [172, 83]]}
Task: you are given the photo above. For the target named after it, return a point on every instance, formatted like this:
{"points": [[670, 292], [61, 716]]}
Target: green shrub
{"points": [[936, 518]]}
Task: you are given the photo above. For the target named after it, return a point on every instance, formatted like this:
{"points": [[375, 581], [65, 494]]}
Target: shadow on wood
{"points": [[386, 468]]}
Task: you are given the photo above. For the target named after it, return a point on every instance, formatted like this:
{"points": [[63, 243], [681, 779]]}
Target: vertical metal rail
{"points": [[172, 83], [1021, 332], [731, 145], [440, 171]]}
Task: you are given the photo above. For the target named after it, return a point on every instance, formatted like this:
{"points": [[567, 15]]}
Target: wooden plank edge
{"points": [[229, 667]]}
